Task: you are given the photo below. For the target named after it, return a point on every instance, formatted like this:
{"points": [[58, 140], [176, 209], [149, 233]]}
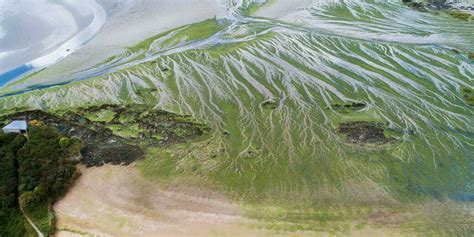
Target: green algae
{"points": [[349, 107], [193, 32], [252, 8], [269, 104], [469, 99], [464, 16], [130, 131], [471, 55], [410, 220], [101, 116], [468, 95], [290, 151]]}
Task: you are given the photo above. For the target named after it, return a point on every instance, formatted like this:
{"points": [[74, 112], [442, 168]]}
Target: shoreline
{"points": [[127, 23], [62, 49]]}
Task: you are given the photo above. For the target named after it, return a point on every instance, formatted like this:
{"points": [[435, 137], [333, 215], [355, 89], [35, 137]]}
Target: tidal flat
{"points": [[349, 118]]}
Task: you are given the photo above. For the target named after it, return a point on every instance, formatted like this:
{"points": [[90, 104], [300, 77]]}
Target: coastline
{"points": [[88, 14], [127, 23]]}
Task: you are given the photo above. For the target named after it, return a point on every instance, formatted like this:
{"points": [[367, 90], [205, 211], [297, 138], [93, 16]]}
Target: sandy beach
{"points": [[28, 37], [118, 201]]}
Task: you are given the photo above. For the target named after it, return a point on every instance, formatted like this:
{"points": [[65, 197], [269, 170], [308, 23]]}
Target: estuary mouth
{"points": [[52, 37]]}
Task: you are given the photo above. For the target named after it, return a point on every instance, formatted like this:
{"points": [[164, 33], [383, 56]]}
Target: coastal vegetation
{"points": [[115, 134], [12, 222], [38, 171], [39, 168]]}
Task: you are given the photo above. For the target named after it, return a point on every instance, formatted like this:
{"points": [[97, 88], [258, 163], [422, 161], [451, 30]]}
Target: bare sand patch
{"points": [[280, 8], [118, 201]]}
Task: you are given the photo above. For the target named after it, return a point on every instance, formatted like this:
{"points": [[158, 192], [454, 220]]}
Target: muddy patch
{"points": [[114, 154], [365, 132]]}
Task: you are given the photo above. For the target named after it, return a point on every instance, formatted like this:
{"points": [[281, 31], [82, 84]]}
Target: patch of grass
{"points": [[334, 219], [251, 8], [469, 99], [197, 31], [268, 104], [42, 215], [12, 223], [145, 45], [129, 131], [158, 165], [471, 55], [464, 16], [101, 116], [391, 133], [74, 231], [127, 119], [348, 107], [468, 95], [466, 90]]}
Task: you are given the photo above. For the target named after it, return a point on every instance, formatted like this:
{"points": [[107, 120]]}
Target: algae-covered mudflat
{"points": [[265, 118]]}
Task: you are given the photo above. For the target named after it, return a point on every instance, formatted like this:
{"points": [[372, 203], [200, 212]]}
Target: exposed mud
{"points": [[120, 154], [365, 132], [102, 141]]}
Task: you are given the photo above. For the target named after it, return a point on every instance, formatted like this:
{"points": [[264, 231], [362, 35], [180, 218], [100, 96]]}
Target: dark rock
{"points": [[364, 132]]}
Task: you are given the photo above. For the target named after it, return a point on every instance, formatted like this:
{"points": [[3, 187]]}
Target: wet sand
{"points": [[30, 37], [128, 23]]}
